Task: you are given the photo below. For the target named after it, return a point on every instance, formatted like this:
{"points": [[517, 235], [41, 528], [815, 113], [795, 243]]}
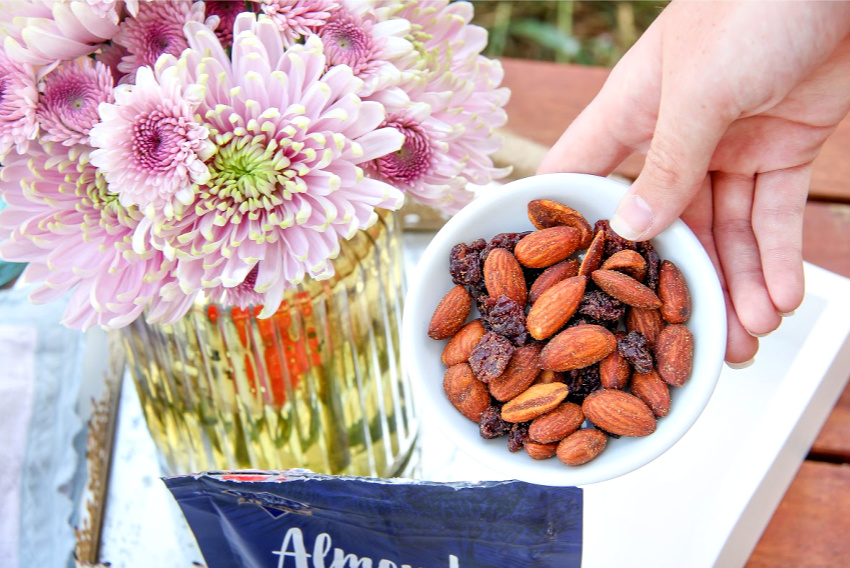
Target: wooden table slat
{"points": [[549, 96]]}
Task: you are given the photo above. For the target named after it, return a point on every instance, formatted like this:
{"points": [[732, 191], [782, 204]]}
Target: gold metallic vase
{"points": [[318, 385]]}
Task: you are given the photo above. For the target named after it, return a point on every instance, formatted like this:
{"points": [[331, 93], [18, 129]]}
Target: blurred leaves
{"points": [[585, 32]]}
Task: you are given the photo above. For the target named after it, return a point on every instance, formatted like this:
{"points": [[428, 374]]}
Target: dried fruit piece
{"points": [[505, 317], [577, 347], [582, 382], [545, 247], [601, 307], [614, 371], [551, 276], [653, 264], [459, 348], [451, 313], [673, 293], [503, 276], [674, 354], [465, 263], [613, 242], [545, 213], [540, 451], [536, 400], [505, 241], [626, 289], [581, 446], [633, 347], [490, 356], [628, 262], [647, 322], [619, 412], [593, 255], [517, 437], [556, 424], [555, 307], [652, 390], [465, 392], [491, 425], [520, 373]]}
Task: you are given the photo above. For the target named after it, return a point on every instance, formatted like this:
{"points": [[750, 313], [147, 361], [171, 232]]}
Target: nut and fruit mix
{"points": [[580, 334]]}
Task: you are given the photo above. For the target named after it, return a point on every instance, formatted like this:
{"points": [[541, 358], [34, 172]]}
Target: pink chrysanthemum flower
{"points": [[157, 29], [226, 11], [67, 107], [460, 87], [40, 32], [18, 100], [372, 48], [285, 183], [62, 220], [297, 19], [111, 55], [149, 145]]}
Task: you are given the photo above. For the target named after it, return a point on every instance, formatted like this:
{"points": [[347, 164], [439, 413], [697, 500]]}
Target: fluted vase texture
{"points": [[319, 385]]}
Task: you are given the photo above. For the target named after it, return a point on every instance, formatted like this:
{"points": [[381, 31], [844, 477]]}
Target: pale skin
{"points": [[731, 103]]}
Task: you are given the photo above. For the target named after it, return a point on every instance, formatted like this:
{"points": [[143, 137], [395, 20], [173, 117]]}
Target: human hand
{"points": [[731, 102]]}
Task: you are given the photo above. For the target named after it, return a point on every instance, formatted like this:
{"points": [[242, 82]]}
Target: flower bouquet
{"points": [[218, 179]]}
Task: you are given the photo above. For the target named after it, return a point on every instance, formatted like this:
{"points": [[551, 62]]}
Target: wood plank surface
{"points": [[809, 528], [548, 96]]}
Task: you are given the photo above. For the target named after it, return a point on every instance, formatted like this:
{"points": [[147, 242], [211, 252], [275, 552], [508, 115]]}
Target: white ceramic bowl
{"points": [[504, 209]]}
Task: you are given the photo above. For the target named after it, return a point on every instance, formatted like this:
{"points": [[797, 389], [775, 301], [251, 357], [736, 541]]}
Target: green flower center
{"points": [[247, 172]]}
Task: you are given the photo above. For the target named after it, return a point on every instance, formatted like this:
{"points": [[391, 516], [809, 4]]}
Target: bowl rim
{"points": [[709, 306]]}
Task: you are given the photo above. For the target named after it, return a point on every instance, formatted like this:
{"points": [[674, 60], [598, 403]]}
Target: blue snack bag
{"points": [[300, 519]]}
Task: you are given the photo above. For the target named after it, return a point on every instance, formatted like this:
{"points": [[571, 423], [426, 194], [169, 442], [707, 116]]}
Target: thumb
{"points": [[686, 134]]}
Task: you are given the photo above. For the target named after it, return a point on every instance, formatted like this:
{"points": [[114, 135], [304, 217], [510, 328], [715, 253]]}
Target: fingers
{"points": [[738, 251], [675, 165], [778, 208], [741, 347], [587, 146]]}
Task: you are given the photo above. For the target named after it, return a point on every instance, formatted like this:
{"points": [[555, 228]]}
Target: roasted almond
{"points": [[628, 262], [577, 347], [520, 373], [673, 293], [545, 213], [546, 247], [614, 371], [653, 391], [555, 307], [674, 354], [556, 424], [451, 313], [581, 446], [592, 259], [626, 289], [540, 451], [503, 276], [459, 348], [536, 400], [466, 393], [551, 276], [619, 412], [648, 322]]}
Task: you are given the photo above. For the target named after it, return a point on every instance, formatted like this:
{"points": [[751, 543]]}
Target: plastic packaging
{"points": [[299, 519]]}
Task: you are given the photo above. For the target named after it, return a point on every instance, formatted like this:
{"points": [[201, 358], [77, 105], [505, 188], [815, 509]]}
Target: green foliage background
{"points": [[583, 32]]}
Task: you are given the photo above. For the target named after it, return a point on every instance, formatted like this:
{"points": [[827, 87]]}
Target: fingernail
{"points": [[759, 335], [633, 218], [787, 314], [738, 366]]}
